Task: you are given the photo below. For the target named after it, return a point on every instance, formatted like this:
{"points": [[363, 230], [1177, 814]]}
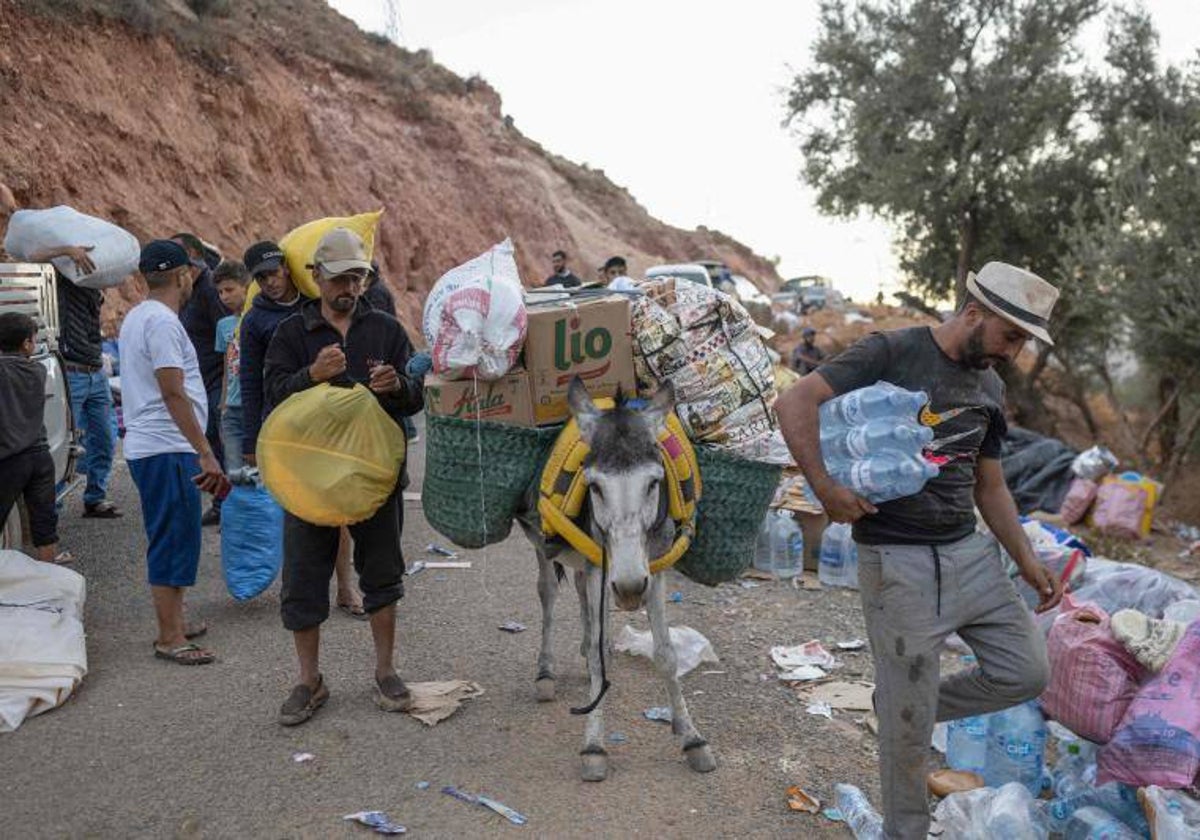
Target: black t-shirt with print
{"points": [[966, 411]]}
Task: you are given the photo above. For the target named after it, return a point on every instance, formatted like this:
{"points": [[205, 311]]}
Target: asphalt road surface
{"points": [[147, 748]]}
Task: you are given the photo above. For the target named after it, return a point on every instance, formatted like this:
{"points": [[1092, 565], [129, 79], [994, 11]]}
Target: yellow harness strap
{"points": [[563, 490]]}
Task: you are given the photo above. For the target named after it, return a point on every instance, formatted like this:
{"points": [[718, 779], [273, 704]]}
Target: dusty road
{"points": [[150, 749]]}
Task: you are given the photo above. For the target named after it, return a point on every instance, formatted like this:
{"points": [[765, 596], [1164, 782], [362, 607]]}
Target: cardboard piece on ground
{"points": [[590, 340], [850, 696], [810, 582], [505, 400], [435, 701]]}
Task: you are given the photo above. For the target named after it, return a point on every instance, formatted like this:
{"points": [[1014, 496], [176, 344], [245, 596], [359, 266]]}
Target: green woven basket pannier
{"points": [[472, 510], [734, 500]]}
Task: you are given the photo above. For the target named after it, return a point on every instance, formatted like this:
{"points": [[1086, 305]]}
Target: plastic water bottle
{"points": [[1114, 799], [1016, 745], [1092, 823], [885, 476], [1075, 769], [838, 564], [842, 442], [856, 810], [787, 546], [966, 744], [762, 547], [882, 399]]}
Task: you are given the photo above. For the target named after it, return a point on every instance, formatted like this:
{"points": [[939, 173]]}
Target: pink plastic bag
{"points": [[1080, 496], [1120, 508], [1158, 740], [1093, 679]]}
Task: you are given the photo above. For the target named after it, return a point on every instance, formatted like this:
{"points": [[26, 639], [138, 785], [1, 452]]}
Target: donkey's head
{"points": [[624, 472]]}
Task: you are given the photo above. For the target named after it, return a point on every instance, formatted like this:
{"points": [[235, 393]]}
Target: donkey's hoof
{"points": [[699, 757], [545, 689], [594, 765]]}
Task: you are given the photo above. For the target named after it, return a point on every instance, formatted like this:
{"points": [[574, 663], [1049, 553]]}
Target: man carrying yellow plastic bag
{"points": [[341, 340]]}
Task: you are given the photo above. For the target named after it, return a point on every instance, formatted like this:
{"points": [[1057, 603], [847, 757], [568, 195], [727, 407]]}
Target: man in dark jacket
{"points": [[200, 316], [342, 340], [277, 299], [562, 275]]}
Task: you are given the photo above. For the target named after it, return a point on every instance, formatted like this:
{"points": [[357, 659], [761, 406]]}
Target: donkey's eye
{"points": [[597, 492], [653, 486]]}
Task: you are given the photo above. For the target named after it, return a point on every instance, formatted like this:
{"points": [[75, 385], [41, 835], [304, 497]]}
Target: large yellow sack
{"points": [[330, 455]]}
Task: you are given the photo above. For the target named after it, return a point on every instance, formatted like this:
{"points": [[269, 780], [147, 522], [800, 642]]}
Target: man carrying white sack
{"points": [[341, 339], [923, 571]]}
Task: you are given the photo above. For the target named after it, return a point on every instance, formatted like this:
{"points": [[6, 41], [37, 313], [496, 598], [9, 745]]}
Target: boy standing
{"points": [[231, 279], [26, 467]]}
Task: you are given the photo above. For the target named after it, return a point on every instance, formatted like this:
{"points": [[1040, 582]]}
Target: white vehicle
{"points": [[748, 293], [692, 272], [29, 288]]}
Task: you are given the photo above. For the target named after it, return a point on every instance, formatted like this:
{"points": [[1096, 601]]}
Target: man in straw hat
{"points": [[924, 571]]}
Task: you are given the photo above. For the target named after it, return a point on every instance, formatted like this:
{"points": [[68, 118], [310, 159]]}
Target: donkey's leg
{"points": [[594, 757], [547, 588], [585, 617], [695, 748]]}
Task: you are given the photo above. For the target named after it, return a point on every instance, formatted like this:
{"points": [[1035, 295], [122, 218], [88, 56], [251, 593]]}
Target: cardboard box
{"points": [[589, 340], [505, 400]]}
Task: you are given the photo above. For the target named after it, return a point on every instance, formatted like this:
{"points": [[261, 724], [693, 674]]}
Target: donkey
{"points": [[626, 516]]}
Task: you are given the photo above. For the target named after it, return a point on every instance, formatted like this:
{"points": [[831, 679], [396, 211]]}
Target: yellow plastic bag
{"points": [[301, 243], [330, 455]]}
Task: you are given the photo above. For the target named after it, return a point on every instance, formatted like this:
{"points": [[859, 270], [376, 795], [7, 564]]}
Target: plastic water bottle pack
{"points": [[1016, 747], [838, 565], [872, 441]]}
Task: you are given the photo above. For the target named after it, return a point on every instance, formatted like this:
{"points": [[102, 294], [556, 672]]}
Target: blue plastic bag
{"points": [[251, 540]]}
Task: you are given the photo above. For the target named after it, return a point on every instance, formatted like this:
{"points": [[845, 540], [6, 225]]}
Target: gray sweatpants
{"points": [[913, 598]]}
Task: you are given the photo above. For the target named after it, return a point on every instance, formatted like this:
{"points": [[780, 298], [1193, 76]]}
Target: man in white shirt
{"points": [[170, 459]]}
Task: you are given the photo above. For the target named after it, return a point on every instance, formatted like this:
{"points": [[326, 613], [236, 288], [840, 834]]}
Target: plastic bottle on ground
{"points": [[1016, 746], [1092, 823], [762, 547], [967, 743], [1115, 799], [882, 399], [838, 564], [787, 546], [1075, 769], [885, 476], [863, 820], [882, 433]]}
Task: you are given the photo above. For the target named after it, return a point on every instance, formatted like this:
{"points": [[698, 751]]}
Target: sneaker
{"points": [[1150, 640], [102, 510], [212, 516], [303, 703], [394, 695]]}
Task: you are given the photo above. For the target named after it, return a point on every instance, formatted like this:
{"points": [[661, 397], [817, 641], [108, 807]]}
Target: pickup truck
{"points": [[29, 288]]}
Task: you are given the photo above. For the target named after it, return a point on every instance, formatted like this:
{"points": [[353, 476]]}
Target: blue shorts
{"points": [[171, 515]]}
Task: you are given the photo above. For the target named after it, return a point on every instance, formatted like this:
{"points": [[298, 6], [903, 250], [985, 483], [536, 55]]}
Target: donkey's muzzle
{"points": [[629, 595]]}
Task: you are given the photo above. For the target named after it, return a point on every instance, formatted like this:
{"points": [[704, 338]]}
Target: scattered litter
{"points": [[808, 582], [422, 785], [833, 815], [691, 646], [853, 644], [447, 564], [944, 782], [801, 800], [758, 574], [710, 673], [377, 821], [461, 796], [658, 713], [513, 627], [809, 653], [434, 548], [302, 757], [416, 567], [675, 598], [435, 701], [487, 802], [848, 696], [412, 497], [805, 673], [617, 738], [748, 584], [820, 707]]}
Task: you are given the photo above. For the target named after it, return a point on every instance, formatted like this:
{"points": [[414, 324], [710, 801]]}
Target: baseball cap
{"points": [[162, 255], [341, 250], [808, 331], [262, 257]]}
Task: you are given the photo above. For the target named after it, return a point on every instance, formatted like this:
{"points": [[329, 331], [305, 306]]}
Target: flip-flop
{"points": [[358, 615], [179, 655]]}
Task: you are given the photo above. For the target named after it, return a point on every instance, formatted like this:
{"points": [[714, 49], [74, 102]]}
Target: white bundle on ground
{"points": [[475, 318], [42, 652], [114, 250]]}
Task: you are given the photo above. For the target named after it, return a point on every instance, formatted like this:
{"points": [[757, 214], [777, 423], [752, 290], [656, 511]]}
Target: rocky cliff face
{"points": [[242, 127]]}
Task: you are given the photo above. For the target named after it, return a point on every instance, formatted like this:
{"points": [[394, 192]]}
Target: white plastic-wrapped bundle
{"points": [[114, 249], [475, 318]]}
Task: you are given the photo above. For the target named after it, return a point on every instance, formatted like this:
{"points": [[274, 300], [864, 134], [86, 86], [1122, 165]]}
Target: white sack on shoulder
{"points": [[691, 647], [475, 319], [114, 250]]}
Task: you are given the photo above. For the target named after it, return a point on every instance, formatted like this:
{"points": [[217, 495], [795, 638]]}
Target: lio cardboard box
{"points": [[506, 400], [589, 340]]}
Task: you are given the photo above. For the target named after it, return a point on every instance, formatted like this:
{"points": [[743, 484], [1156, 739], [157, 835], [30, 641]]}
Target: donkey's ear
{"points": [[582, 408], [660, 407]]}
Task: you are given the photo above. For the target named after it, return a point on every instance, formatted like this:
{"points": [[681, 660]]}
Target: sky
{"points": [[682, 103]]}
